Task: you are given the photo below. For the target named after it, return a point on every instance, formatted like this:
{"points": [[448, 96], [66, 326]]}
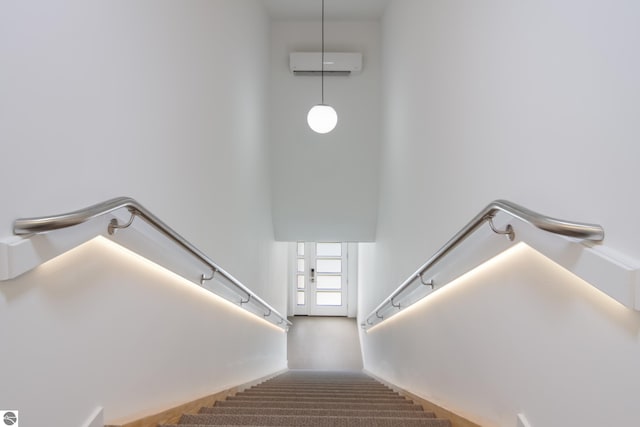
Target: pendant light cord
{"points": [[322, 58]]}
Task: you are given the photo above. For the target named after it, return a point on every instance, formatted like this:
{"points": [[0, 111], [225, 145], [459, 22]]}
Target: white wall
{"points": [[520, 335], [159, 100], [531, 101], [147, 99], [325, 187], [96, 327]]}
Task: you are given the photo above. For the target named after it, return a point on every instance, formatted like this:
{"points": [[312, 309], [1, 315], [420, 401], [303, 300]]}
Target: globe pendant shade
{"points": [[322, 118]]}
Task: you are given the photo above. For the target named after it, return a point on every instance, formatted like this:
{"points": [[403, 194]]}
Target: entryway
{"points": [[323, 279]]}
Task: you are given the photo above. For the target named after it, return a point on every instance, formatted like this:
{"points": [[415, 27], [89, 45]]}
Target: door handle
{"points": [[313, 275]]}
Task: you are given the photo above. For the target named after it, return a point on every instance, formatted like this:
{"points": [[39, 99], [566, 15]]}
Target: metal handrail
{"points": [[576, 230], [43, 224]]}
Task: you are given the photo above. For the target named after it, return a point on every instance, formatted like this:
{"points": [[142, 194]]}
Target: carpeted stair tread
{"points": [[316, 412], [327, 381], [327, 385], [317, 390], [333, 380], [315, 399], [322, 387], [323, 383], [321, 405], [312, 389], [332, 386], [295, 398], [309, 421], [321, 395]]}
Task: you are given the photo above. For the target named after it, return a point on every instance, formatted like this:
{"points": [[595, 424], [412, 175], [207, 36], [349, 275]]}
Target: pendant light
{"points": [[322, 118]]}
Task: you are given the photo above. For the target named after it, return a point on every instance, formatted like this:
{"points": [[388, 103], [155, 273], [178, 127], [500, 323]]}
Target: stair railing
{"points": [[581, 231], [49, 223]]}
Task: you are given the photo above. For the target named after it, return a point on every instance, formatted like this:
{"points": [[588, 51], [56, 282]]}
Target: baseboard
{"points": [[456, 420], [172, 415]]}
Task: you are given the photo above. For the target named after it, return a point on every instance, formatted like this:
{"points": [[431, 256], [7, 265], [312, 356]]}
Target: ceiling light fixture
{"points": [[322, 118]]}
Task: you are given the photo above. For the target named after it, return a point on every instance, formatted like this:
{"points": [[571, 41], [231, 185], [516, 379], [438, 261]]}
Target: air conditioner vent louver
{"points": [[335, 63]]}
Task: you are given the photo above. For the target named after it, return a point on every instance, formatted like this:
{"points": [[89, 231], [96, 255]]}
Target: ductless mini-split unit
{"points": [[335, 63]]}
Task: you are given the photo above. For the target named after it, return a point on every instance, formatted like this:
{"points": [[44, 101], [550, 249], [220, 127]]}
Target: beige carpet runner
{"points": [[315, 399]]}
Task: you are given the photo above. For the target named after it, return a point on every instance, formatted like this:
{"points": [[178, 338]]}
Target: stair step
{"points": [[342, 395], [336, 380], [295, 398], [320, 387], [402, 405], [319, 390], [309, 421], [315, 399], [316, 412], [324, 382], [332, 380], [283, 389]]}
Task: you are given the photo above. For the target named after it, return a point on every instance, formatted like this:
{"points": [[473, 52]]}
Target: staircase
{"points": [[315, 399]]}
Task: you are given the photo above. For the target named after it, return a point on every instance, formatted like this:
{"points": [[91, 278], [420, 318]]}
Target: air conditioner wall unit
{"points": [[335, 63]]}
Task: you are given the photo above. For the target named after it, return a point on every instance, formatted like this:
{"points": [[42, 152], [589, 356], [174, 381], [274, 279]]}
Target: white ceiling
{"points": [[334, 10]]}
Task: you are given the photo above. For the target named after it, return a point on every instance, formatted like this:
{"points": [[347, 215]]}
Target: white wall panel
{"points": [[535, 102], [160, 101], [99, 327], [165, 102]]}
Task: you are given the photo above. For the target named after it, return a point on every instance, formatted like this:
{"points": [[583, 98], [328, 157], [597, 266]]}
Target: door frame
{"points": [[351, 296]]}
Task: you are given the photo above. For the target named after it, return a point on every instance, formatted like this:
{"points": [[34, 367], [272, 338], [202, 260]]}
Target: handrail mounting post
{"points": [[394, 305], [508, 231], [114, 225], [204, 278], [429, 283], [242, 302]]}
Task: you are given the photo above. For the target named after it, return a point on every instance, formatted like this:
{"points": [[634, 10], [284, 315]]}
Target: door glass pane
{"points": [[300, 297], [329, 265], [328, 282], [300, 281], [300, 248], [328, 249], [301, 265], [329, 298]]}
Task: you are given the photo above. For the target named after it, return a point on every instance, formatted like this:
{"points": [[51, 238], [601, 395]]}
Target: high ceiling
{"points": [[334, 9]]}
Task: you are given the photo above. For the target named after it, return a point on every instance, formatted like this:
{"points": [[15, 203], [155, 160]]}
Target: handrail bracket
{"points": [[508, 231], [242, 302], [204, 278], [114, 225], [429, 283]]}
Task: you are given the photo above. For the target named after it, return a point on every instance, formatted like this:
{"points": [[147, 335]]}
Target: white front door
{"points": [[320, 284]]}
